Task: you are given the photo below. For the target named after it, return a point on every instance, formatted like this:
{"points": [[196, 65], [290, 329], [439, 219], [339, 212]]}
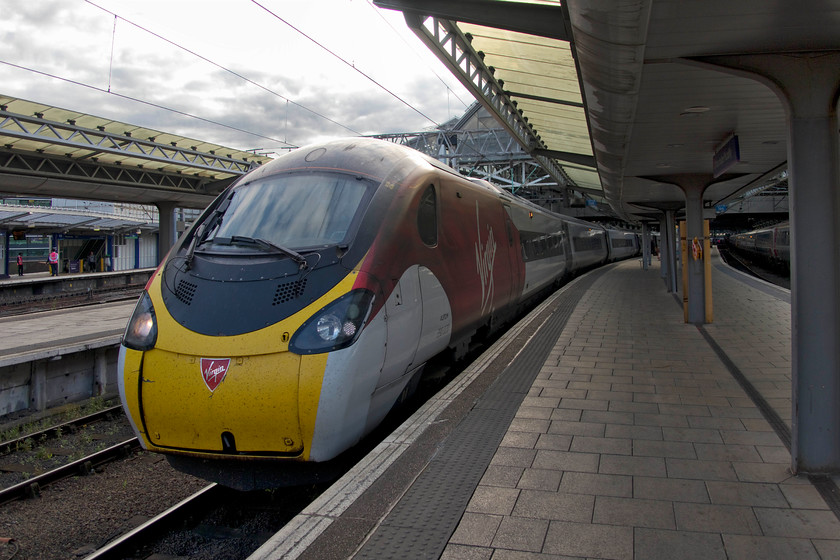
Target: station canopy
{"points": [[28, 126], [539, 75], [43, 220]]}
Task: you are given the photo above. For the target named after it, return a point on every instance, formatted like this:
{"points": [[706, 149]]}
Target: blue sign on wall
{"points": [[727, 155]]}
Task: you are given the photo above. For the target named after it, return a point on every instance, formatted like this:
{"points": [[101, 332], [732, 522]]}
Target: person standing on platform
{"points": [[91, 262], [20, 264], [53, 263]]}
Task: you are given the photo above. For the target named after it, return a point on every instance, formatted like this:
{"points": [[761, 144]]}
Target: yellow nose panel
{"points": [[222, 404]]}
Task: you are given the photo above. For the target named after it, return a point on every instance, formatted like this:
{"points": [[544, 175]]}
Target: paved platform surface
{"points": [[41, 335], [639, 437]]}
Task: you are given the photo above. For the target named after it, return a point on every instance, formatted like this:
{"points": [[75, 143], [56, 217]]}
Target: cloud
{"points": [[312, 95]]}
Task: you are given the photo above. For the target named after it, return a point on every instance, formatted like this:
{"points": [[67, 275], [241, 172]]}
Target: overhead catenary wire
{"points": [[221, 67], [351, 65], [378, 12], [144, 102], [110, 90]]}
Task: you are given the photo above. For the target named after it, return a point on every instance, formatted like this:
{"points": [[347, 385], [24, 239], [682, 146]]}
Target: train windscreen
{"points": [[299, 211]]}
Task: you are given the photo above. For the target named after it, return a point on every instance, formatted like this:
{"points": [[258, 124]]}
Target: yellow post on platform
{"points": [[684, 266], [707, 269], [707, 264]]}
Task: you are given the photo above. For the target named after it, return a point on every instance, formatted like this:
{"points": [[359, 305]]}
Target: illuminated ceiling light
{"points": [[694, 111]]}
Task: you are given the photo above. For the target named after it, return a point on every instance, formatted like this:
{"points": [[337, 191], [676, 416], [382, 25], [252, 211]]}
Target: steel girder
{"points": [[100, 141], [90, 170], [490, 154], [453, 48]]}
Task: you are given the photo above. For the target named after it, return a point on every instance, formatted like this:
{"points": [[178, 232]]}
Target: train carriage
{"points": [[770, 245], [304, 302]]}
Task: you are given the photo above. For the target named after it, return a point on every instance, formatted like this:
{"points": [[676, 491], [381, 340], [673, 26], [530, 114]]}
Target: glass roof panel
{"points": [[539, 73], [585, 178]]}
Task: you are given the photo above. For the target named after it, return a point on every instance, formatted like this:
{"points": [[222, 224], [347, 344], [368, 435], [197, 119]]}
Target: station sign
{"points": [[727, 155]]}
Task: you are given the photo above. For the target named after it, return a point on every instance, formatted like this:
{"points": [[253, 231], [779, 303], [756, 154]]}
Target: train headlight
{"points": [[141, 332], [335, 326], [328, 327]]}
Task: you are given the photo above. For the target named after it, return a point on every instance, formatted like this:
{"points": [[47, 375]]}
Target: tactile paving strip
{"points": [[420, 524]]}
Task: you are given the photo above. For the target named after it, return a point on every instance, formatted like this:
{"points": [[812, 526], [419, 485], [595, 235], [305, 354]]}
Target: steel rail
{"points": [[52, 432], [32, 487], [131, 541]]}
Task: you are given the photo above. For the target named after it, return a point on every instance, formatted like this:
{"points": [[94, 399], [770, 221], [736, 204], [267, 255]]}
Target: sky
{"points": [[263, 74]]}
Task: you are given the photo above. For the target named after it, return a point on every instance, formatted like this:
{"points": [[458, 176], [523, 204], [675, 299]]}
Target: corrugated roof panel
{"points": [[62, 219], [141, 134], [34, 216], [539, 73], [110, 223], [584, 178], [561, 128]]}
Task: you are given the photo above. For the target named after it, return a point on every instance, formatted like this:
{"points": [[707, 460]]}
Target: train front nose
{"points": [[222, 404]]}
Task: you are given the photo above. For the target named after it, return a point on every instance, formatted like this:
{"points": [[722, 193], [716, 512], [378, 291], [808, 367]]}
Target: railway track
{"points": [[218, 522], [215, 522], [151, 531], [31, 488], [64, 300], [52, 432], [745, 265]]}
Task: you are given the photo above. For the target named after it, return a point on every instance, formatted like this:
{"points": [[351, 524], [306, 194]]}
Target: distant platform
{"points": [[40, 284]]}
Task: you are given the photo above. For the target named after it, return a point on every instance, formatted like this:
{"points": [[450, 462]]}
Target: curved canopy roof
{"points": [[55, 152], [30, 126], [629, 97]]}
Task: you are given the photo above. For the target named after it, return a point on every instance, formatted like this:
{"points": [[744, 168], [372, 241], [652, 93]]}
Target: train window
{"points": [[427, 217], [296, 211]]}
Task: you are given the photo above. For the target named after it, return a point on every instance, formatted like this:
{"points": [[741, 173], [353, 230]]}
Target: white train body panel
{"points": [[357, 393]]}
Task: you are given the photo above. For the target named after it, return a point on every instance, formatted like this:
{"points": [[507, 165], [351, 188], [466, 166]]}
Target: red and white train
{"points": [[305, 301], [770, 245]]}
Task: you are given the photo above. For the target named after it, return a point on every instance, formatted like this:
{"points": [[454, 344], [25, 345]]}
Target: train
{"points": [[770, 245], [304, 302]]}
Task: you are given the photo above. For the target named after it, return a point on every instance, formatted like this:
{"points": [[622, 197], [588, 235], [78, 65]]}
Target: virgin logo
{"points": [[213, 371], [485, 258]]}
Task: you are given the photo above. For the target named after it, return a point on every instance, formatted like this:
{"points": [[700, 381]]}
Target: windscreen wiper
{"points": [[270, 247], [193, 243], [206, 226]]}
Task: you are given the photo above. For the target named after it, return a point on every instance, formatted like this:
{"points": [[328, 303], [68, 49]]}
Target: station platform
{"points": [[48, 334], [601, 426], [40, 285]]}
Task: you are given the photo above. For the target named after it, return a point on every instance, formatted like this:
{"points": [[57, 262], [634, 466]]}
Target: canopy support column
{"points": [[668, 251], [167, 230], [808, 86], [693, 186]]}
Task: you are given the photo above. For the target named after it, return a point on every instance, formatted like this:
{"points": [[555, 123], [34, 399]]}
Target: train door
{"points": [[404, 316], [404, 307], [567, 248], [515, 258]]}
